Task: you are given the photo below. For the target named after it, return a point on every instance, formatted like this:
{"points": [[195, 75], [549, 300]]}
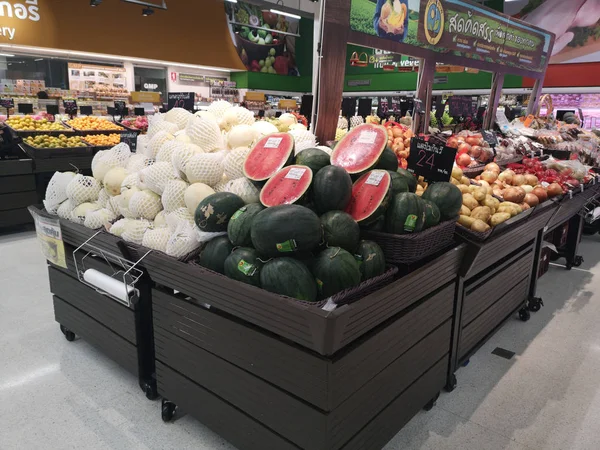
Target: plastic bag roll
{"points": [[105, 283]]}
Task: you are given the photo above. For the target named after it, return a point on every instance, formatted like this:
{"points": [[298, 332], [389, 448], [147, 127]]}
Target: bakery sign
{"points": [[23, 10]]}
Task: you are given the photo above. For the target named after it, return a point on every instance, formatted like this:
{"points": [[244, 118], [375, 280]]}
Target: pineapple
{"points": [[339, 134]]}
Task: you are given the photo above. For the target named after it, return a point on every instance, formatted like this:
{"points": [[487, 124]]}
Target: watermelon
{"points": [[340, 230], [378, 225], [370, 196], [240, 224], [360, 148], [314, 158], [243, 265], [286, 230], [335, 270], [371, 259], [432, 214], [406, 214], [213, 213], [290, 277], [447, 197], [399, 183], [215, 253], [410, 179], [331, 189], [388, 160], [268, 156], [287, 186]]}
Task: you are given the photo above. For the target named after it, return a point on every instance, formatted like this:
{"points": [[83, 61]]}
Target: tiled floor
{"points": [[60, 395]]}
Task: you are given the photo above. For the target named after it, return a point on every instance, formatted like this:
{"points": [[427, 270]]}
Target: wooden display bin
{"points": [[17, 192]]}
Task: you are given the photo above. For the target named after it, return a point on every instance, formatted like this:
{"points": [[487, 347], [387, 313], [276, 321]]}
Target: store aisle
{"points": [[56, 394]]}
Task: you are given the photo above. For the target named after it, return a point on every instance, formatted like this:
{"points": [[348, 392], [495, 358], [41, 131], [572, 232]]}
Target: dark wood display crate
{"points": [[17, 192], [68, 131], [46, 153], [568, 207]]}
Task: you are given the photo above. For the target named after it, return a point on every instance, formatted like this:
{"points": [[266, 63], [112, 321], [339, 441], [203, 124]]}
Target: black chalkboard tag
{"points": [[70, 107], [121, 108], [86, 110], [183, 100], [7, 103], [490, 138], [432, 161], [52, 109], [139, 111], [111, 111], [130, 138]]}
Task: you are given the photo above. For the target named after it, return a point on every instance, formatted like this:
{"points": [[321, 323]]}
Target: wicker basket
{"points": [[408, 248]]}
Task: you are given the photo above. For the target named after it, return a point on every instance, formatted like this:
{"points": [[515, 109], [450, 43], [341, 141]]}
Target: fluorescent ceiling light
{"points": [[231, 1], [293, 16], [38, 59], [6, 54]]}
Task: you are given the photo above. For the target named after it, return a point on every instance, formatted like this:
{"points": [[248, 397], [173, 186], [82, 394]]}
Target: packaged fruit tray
{"points": [[409, 248]]}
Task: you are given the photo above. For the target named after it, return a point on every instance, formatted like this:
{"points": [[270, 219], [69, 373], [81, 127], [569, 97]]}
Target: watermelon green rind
{"points": [[447, 197], [215, 253], [262, 163], [314, 158], [331, 189], [399, 183], [240, 224], [410, 179], [283, 190], [290, 277], [286, 230], [355, 156], [372, 259], [214, 212], [241, 259], [340, 230], [369, 201], [388, 160], [406, 214], [335, 270], [432, 214]]}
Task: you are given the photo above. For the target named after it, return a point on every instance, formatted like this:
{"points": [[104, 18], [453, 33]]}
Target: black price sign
{"points": [[70, 106], [7, 103], [433, 162], [490, 138], [130, 138], [461, 106], [418, 106], [120, 106], [183, 100]]}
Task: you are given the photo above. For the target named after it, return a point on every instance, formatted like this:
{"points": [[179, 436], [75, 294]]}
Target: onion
{"points": [[524, 206], [531, 180], [518, 180], [528, 189], [540, 193], [475, 151], [463, 160], [553, 190], [473, 140], [452, 142], [397, 132], [489, 176], [464, 148], [493, 167], [532, 200]]}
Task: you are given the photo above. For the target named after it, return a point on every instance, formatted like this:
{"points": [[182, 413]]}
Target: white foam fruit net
{"points": [[103, 161], [113, 204], [205, 168], [180, 215], [160, 221], [79, 212], [356, 121], [217, 109], [161, 125], [194, 194], [264, 128], [179, 117], [135, 230], [119, 226], [243, 188], [156, 239], [181, 156], [145, 204], [303, 139], [173, 195], [130, 181], [155, 144], [237, 116], [205, 133], [342, 123], [83, 189], [182, 241], [325, 149], [97, 219], [157, 176], [103, 198], [233, 163], [65, 208], [221, 186], [56, 192], [141, 144]]}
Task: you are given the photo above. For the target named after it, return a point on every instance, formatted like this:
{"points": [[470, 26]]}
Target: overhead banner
{"points": [[453, 26]]}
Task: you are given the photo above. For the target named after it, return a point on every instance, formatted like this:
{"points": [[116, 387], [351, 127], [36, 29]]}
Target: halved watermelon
{"points": [[370, 196], [268, 156], [360, 149], [287, 186]]}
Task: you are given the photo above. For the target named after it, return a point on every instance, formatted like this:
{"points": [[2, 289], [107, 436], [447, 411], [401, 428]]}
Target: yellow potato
{"points": [[499, 218], [466, 221], [479, 194], [454, 181], [510, 209], [470, 202], [482, 213], [457, 173], [480, 225], [464, 211], [464, 189], [465, 180]]}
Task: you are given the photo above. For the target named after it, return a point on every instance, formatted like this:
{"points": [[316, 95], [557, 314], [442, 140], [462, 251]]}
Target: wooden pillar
{"points": [[424, 87], [336, 18], [497, 85]]}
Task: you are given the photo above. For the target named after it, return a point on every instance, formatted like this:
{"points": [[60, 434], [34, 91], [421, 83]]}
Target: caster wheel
{"points": [[535, 304], [429, 406], [168, 410], [451, 383], [69, 335], [524, 315], [577, 261], [150, 391], [466, 363]]}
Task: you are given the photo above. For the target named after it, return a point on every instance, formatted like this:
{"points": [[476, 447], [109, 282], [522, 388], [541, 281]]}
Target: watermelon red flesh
{"points": [[360, 149], [368, 199], [268, 156], [287, 186]]}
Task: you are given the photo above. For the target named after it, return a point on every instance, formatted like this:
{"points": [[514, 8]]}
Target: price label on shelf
{"points": [[130, 138], [70, 106], [296, 173], [375, 177], [490, 138], [7, 103], [367, 137], [183, 100], [273, 142], [432, 161]]}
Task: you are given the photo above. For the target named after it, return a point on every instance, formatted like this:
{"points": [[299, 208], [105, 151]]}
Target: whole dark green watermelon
{"points": [[340, 230], [371, 259], [288, 276], [286, 230], [243, 265], [214, 212], [410, 179], [432, 214], [335, 270], [387, 161], [314, 158], [446, 196], [240, 224], [215, 253], [331, 189], [406, 214], [399, 183]]}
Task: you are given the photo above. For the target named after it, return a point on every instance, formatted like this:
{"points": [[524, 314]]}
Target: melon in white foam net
{"points": [[103, 161], [113, 180], [103, 198], [162, 125], [65, 208], [119, 226], [145, 204], [288, 119], [79, 212], [182, 137], [217, 109], [99, 218], [130, 181], [264, 128], [141, 144], [205, 134], [83, 189], [236, 116], [182, 241], [175, 218], [173, 195], [56, 192], [178, 116], [155, 144], [135, 230], [160, 221], [136, 163], [194, 194], [243, 188], [120, 204], [156, 239], [233, 163], [205, 168], [303, 139], [241, 136], [298, 126], [207, 115], [222, 184], [325, 149], [181, 156], [166, 151], [157, 176]]}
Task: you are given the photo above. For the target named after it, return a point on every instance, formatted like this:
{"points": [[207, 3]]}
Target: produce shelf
{"points": [[17, 192]]}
